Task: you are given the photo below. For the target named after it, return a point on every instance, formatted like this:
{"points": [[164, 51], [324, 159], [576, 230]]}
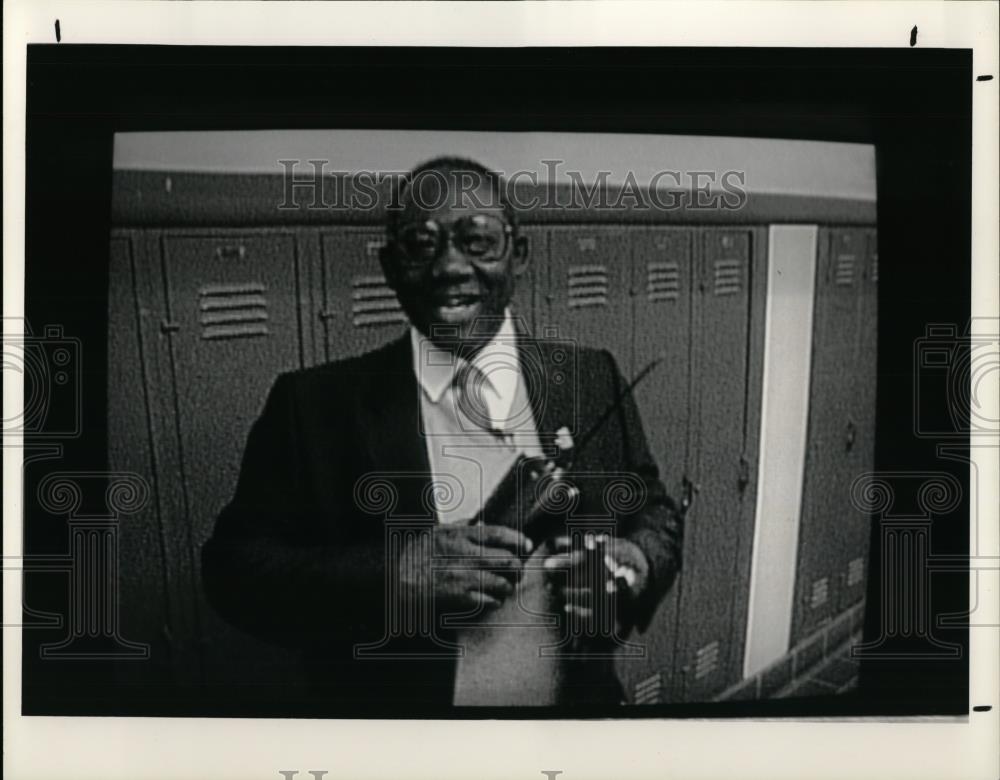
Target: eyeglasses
{"points": [[482, 237]]}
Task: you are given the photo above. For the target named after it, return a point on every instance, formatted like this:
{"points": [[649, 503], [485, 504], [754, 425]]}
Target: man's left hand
{"points": [[626, 563]]}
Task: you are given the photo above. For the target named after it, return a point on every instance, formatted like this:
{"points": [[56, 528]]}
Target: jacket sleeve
{"points": [[657, 527], [267, 568]]}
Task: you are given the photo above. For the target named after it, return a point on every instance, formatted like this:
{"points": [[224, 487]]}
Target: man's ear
{"points": [[520, 255]]}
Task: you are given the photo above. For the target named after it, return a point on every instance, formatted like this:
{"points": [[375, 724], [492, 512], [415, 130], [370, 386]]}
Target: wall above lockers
{"points": [[238, 178]]}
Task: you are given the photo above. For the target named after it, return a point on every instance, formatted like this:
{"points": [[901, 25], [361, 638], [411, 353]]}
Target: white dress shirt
{"points": [[467, 458]]}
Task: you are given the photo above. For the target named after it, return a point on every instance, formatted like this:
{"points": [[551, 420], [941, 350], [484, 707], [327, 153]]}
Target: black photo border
{"points": [[915, 106]]}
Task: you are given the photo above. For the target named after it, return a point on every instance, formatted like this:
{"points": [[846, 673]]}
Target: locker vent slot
{"points": [[374, 302], [820, 592], [728, 277], [373, 246], [663, 282], [843, 272], [855, 571], [233, 311], [706, 660], [588, 286], [874, 276], [649, 691]]}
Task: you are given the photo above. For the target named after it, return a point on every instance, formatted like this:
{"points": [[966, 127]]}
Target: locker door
{"points": [[144, 604], [861, 425], [231, 301], [661, 295], [360, 312], [661, 287], [586, 295], [525, 303], [713, 594], [833, 429]]}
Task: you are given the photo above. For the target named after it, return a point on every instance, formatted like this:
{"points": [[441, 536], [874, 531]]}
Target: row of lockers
{"points": [[834, 534], [201, 321]]}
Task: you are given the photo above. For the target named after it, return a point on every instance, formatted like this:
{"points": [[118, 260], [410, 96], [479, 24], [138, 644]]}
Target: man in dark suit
{"points": [[376, 526]]}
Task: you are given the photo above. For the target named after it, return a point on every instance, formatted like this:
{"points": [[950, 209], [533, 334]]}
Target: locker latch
{"points": [[744, 478], [850, 435], [231, 252], [688, 491]]}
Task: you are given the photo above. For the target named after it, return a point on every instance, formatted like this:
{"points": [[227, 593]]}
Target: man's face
{"points": [[454, 258]]}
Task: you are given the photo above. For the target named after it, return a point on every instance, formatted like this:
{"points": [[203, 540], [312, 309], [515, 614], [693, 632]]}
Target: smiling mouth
{"points": [[455, 301]]}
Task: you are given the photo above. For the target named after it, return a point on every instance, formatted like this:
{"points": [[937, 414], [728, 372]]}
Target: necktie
{"points": [[471, 385]]}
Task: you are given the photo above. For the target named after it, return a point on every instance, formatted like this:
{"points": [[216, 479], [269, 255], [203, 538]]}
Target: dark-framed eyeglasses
{"points": [[482, 237]]}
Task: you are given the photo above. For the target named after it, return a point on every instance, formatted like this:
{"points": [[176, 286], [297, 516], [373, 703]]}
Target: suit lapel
{"points": [[389, 412], [550, 375], [389, 422]]}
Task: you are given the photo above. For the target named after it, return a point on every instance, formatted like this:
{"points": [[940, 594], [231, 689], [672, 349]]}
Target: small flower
{"points": [[564, 439]]}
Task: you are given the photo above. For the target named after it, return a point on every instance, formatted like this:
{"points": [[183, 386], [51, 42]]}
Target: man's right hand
{"points": [[463, 567]]}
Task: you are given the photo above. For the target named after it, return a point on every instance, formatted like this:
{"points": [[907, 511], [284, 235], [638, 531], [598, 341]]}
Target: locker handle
{"points": [[231, 252], [688, 491], [851, 435], [744, 478]]}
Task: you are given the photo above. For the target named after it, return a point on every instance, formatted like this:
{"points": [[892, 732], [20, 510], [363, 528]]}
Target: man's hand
{"points": [[463, 567], [625, 563]]}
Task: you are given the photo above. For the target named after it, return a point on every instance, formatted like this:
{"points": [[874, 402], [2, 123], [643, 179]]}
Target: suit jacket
{"points": [[299, 555]]}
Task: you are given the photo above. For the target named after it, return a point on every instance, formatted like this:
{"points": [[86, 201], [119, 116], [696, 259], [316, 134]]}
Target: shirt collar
{"points": [[498, 360]]}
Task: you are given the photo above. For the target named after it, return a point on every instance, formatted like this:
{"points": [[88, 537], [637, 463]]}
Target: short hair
{"points": [[448, 165]]}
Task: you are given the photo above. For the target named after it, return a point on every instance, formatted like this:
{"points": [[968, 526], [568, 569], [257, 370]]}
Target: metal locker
{"points": [[713, 592], [861, 451], [585, 296], [833, 430], [177, 641], [359, 311], [661, 280], [143, 601], [661, 311], [232, 321], [525, 303]]}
